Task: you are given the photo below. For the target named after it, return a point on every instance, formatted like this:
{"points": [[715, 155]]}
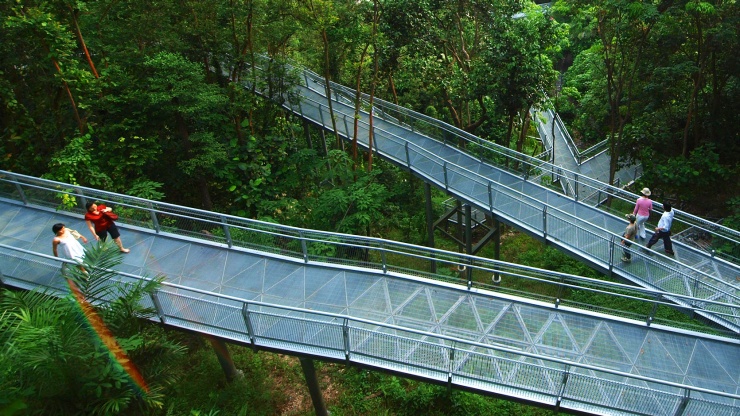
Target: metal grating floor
{"points": [[631, 347]]}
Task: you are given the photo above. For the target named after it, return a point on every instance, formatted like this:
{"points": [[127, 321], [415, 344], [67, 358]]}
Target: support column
{"points": [[469, 237], [224, 358], [496, 247], [313, 386], [430, 221], [307, 132], [459, 226], [323, 142]]}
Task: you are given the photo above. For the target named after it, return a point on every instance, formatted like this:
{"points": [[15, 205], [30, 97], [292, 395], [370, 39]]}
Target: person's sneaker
{"points": [[670, 253], [626, 259]]}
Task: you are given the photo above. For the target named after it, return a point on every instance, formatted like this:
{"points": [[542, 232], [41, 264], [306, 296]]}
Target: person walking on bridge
{"points": [[65, 243], [100, 220], [643, 206], [627, 237], [663, 230]]}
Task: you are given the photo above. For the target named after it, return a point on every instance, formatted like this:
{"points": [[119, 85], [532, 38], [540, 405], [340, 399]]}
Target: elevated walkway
{"points": [[357, 300], [514, 188]]}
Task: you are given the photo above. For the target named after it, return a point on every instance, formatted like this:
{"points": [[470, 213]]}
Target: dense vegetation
{"points": [[131, 97]]}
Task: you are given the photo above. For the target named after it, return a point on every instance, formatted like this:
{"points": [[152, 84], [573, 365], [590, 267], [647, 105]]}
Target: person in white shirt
{"points": [[663, 230], [65, 242]]}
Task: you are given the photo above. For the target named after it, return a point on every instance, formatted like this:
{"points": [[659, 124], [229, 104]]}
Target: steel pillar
{"points": [[313, 387], [430, 221], [224, 358]]}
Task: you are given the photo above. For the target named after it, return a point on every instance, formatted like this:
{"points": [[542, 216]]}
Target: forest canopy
{"points": [[134, 97]]}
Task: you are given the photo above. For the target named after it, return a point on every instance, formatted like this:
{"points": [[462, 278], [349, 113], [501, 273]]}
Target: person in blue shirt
{"points": [[663, 230]]}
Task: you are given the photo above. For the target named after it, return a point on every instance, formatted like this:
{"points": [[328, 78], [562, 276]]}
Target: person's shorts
{"points": [[112, 230]]}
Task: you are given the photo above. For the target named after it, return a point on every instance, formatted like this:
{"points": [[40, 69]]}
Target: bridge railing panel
{"points": [[503, 157], [383, 255], [407, 350]]}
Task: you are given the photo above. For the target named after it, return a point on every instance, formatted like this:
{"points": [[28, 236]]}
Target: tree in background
{"points": [[662, 69]]}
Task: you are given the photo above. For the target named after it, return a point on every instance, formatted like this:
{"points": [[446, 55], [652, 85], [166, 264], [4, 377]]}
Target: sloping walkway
{"points": [[594, 166], [431, 150], [246, 292]]}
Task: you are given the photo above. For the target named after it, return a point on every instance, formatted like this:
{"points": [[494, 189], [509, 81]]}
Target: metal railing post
{"points": [[684, 403], [304, 246], [321, 116], [227, 233], [563, 383], [611, 253], [450, 367], [345, 335], [444, 169], [248, 322], [408, 158], [544, 221], [153, 215], [158, 306], [490, 197], [651, 317], [382, 258], [575, 188], [19, 188]]}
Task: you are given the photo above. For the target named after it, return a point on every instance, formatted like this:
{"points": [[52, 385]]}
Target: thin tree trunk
{"points": [[80, 124], [372, 88], [82, 43], [358, 95], [327, 79]]}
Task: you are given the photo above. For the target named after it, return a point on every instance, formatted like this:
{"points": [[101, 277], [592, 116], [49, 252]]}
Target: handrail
{"points": [[51, 192], [521, 197], [354, 351], [315, 84], [720, 231]]}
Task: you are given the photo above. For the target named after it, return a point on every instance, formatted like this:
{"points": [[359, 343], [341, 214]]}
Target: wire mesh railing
{"points": [[486, 367], [312, 246], [536, 216], [725, 239]]}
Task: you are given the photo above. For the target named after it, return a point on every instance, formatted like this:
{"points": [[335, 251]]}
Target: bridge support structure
{"points": [[309, 372], [224, 358], [464, 223]]}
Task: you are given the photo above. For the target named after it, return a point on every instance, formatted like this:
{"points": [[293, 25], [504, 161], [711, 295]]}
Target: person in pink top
{"points": [[643, 206]]}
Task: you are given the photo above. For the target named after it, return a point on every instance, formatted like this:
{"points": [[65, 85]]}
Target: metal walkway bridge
{"points": [[360, 300], [516, 189]]}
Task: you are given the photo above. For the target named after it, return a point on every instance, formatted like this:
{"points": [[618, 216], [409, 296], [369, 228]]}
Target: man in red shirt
{"points": [[101, 224]]}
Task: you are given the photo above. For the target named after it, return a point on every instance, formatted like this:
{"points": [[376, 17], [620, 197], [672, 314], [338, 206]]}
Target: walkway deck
{"points": [[260, 284], [511, 187]]}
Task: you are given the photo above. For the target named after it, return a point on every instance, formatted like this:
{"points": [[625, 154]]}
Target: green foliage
{"points": [[53, 362], [353, 202], [375, 393], [74, 164]]}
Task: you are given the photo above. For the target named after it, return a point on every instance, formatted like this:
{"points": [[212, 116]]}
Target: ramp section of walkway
{"points": [[510, 186], [270, 286]]}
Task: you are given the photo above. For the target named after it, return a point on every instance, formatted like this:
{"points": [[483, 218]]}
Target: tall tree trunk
{"points": [[80, 123], [358, 95], [393, 87], [372, 88], [82, 43], [327, 80]]}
